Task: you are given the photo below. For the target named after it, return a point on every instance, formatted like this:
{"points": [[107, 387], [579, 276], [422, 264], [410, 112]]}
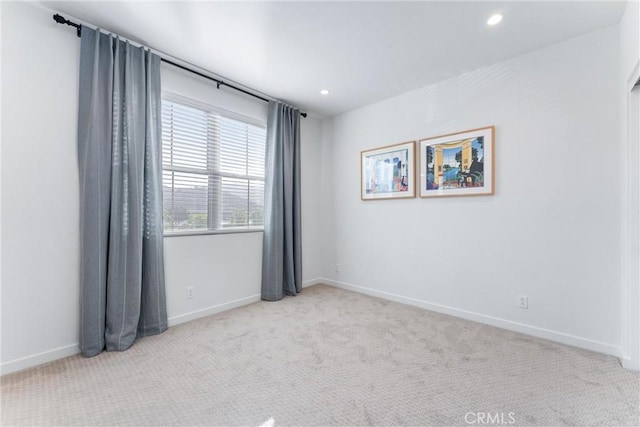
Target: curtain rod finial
{"points": [[62, 20]]}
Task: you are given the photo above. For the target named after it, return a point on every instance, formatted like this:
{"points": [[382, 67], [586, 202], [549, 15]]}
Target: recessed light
{"points": [[324, 92], [495, 19]]}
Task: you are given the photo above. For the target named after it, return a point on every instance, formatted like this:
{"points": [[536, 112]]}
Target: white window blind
{"points": [[213, 168]]}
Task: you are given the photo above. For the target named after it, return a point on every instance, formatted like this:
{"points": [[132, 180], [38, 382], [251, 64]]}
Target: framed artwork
{"points": [[457, 164], [388, 172]]}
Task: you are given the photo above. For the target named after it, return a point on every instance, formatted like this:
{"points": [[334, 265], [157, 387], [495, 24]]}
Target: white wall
{"points": [[551, 231], [224, 271], [40, 250], [40, 238], [630, 161], [630, 37], [312, 206], [327, 223]]}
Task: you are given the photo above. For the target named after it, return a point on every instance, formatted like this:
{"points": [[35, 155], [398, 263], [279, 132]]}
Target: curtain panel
{"points": [[119, 157], [282, 244]]}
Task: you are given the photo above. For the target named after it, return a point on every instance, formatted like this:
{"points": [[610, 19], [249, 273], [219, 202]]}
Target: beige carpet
{"points": [[328, 357]]}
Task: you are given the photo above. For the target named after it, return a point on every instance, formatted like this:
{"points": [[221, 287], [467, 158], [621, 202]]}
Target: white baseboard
{"points": [[70, 350], [73, 349], [311, 282], [176, 320], [548, 334], [39, 359], [183, 318], [630, 364]]}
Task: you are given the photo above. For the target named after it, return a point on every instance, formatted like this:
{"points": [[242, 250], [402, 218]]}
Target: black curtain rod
{"points": [[62, 20]]}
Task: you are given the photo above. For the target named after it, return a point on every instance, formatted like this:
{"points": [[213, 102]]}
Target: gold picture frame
{"points": [[457, 164], [388, 172]]}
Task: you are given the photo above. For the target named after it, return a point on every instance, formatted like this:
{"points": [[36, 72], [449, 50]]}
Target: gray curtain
{"points": [[282, 244], [119, 156]]}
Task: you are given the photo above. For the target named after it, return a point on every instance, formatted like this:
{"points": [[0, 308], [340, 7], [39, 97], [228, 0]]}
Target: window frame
{"points": [[211, 109]]}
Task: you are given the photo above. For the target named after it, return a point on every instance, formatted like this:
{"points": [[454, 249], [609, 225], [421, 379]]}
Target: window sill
{"points": [[210, 232]]}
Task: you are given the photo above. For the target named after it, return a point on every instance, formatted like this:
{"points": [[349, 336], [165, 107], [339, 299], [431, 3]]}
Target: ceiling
{"points": [[362, 52]]}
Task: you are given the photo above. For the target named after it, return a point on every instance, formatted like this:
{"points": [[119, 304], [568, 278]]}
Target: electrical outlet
{"points": [[337, 268], [523, 301], [189, 292]]}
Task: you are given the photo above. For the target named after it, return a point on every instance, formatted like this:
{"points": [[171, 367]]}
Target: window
{"points": [[213, 168]]}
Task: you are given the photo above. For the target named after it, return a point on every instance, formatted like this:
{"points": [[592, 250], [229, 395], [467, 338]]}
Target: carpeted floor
{"points": [[329, 357]]}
